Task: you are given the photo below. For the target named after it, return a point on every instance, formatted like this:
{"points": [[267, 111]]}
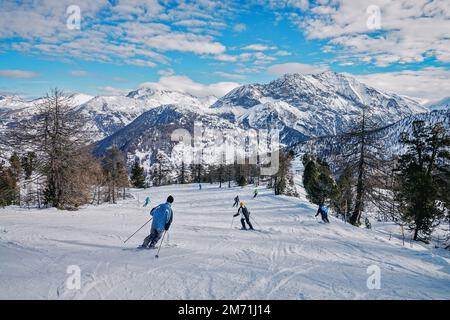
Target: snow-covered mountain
{"points": [[111, 113], [443, 104], [301, 107], [106, 114], [389, 135], [313, 105]]}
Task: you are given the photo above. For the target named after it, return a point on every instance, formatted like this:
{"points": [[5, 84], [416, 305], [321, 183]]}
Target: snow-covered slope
{"points": [[291, 257]]}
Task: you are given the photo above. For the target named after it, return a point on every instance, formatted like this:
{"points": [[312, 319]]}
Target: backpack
{"points": [[324, 210]]}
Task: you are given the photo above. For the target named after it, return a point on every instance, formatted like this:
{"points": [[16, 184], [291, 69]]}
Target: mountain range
{"points": [[301, 107]]}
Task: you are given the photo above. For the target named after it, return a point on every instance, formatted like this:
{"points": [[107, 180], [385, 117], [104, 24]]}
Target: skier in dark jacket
{"points": [[323, 213], [236, 201], [162, 219], [245, 216], [255, 193]]}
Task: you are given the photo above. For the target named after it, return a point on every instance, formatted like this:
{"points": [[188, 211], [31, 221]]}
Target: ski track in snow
{"points": [[293, 257]]}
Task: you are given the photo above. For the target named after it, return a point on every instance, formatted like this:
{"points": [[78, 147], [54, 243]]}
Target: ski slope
{"points": [[292, 257]]}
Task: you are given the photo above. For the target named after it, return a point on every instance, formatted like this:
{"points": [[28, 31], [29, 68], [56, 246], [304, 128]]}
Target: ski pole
{"points": [[232, 220], [256, 222], [160, 245], [138, 229]]}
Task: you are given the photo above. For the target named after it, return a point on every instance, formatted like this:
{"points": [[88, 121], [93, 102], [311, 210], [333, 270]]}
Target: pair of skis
{"points": [[159, 248]]}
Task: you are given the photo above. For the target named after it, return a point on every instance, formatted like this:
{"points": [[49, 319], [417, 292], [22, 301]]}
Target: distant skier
{"points": [[199, 186], [245, 216], [236, 202], [367, 223], [162, 219], [255, 193], [323, 213], [147, 201]]}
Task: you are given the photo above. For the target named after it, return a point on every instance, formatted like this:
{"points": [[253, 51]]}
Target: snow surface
{"points": [[292, 257]]}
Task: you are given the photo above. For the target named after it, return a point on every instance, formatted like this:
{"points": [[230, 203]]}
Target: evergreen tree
{"points": [[28, 164], [317, 180], [116, 173], [343, 199], [137, 175], [422, 188], [283, 179], [16, 171], [242, 181], [8, 186]]}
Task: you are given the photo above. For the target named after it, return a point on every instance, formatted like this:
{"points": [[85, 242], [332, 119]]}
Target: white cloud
{"points": [[226, 57], [229, 75], [429, 84], [294, 67], [283, 53], [240, 27], [409, 31], [132, 32], [282, 4], [112, 90], [166, 72], [185, 42], [187, 85], [258, 47], [18, 74], [79, 73]]}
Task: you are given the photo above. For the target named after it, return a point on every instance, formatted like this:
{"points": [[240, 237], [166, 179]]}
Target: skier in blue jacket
{"points": [[323, 213], [147, 201], [162, 219]]}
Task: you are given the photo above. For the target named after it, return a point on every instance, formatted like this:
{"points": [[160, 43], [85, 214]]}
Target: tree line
{"points": [[52, 164], [358, 175]]}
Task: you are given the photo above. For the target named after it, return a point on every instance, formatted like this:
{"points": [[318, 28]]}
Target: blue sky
{"points": [[209, 47]]}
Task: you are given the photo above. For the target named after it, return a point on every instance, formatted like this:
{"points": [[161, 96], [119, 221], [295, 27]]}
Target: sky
{"points": [[207, 47]]}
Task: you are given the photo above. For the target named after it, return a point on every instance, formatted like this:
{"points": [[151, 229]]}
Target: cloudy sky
{"points": [[209, 47]]}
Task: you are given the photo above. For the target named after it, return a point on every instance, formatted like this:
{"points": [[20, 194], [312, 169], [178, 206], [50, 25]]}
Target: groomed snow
{"points": [[293, 257]]}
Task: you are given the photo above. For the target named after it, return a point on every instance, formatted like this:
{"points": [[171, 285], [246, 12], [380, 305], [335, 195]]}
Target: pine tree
{"points": [[116, 172], [16, 170], [242, 181], [343, 199], [8, 186], [28, 164], [422, 187], [137, 175], [161, 169], [317, 180], [283, 179]]}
